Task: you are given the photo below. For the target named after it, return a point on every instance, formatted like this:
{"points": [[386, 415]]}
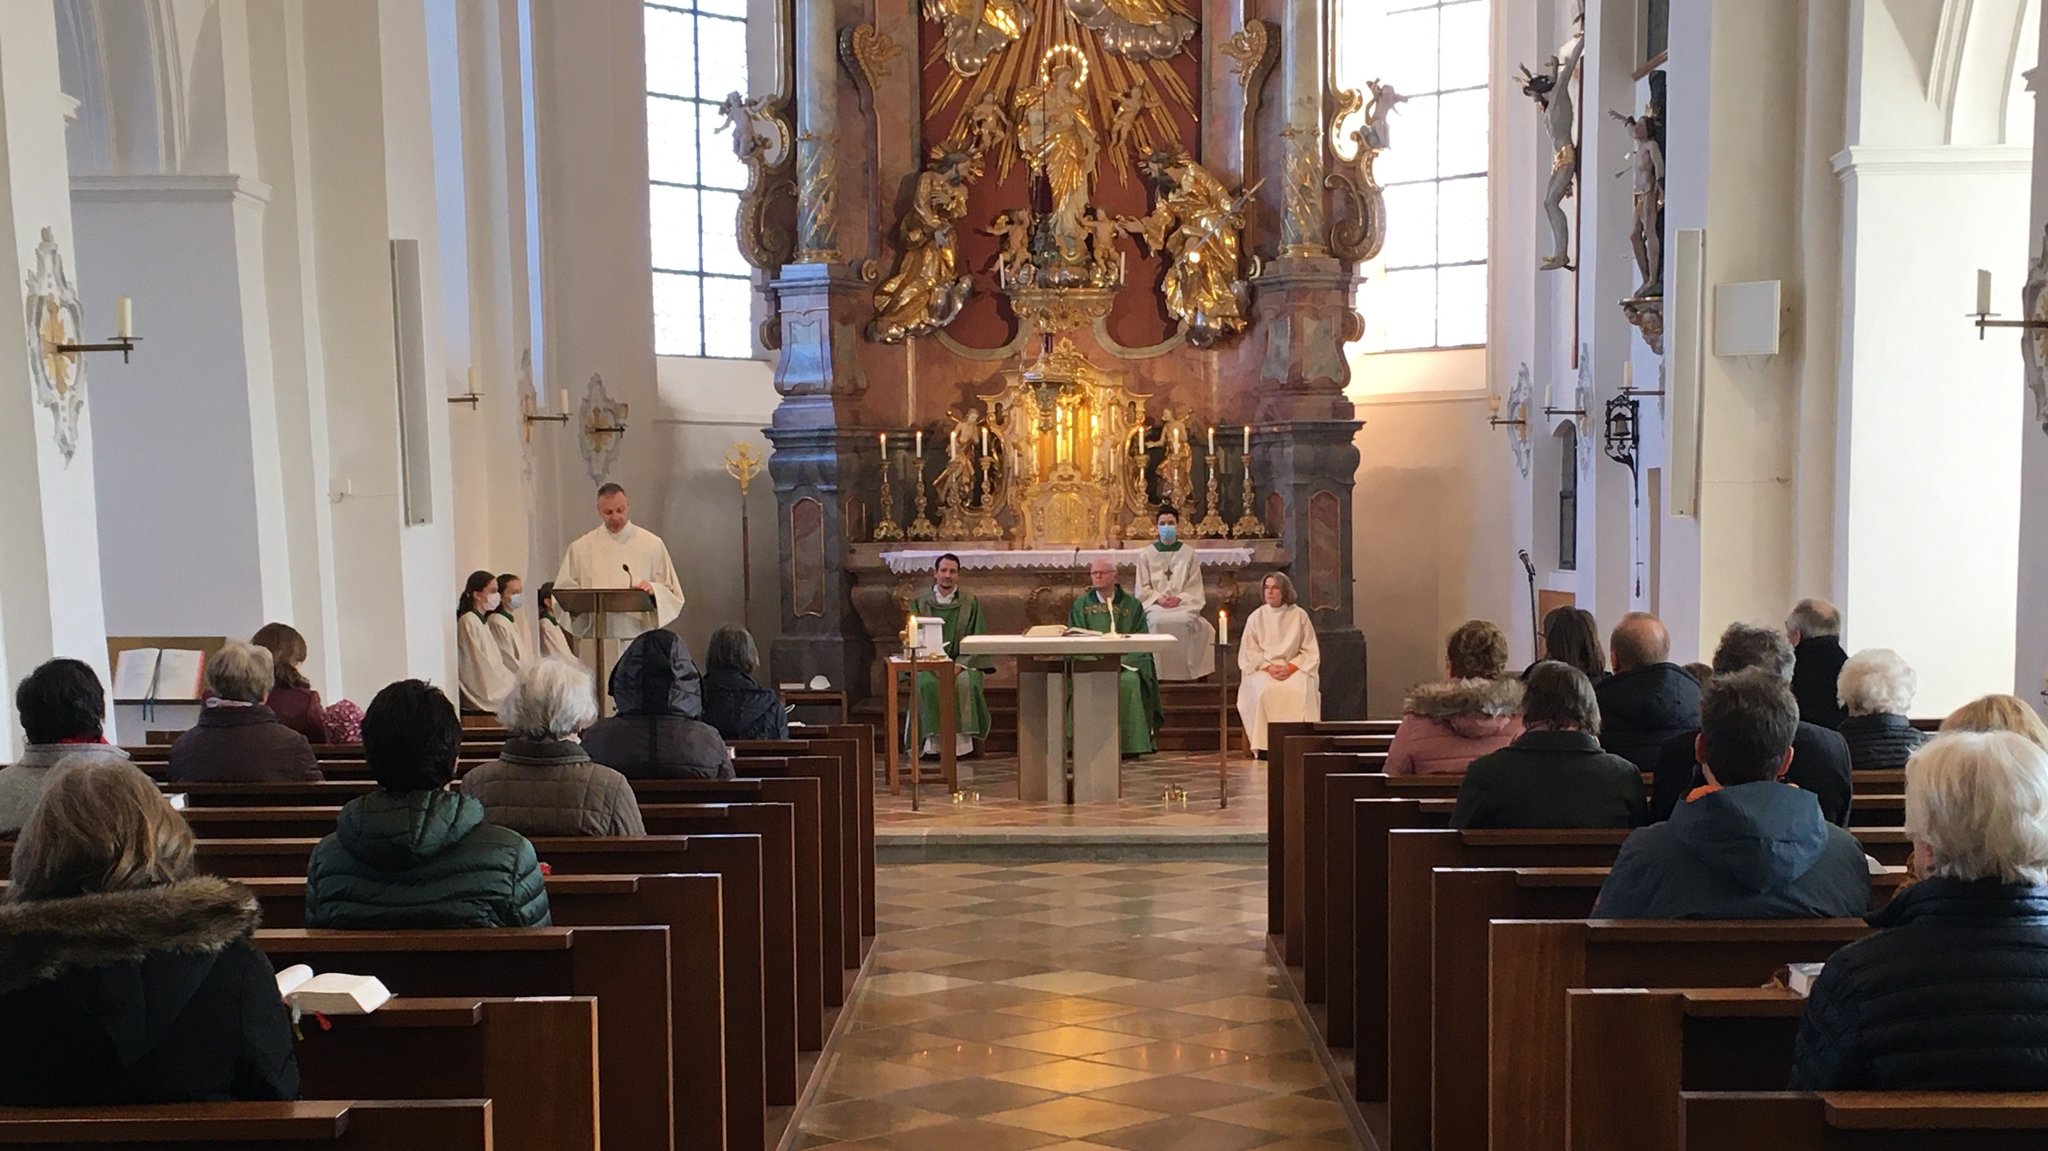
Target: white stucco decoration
{"points": [[1519, 408], [55, 317], [600, 420], [1583, 401], [2034, 341]]}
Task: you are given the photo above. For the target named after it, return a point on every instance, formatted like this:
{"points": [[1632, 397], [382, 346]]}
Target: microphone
{"points": [[1527, 566], [628, 569]]}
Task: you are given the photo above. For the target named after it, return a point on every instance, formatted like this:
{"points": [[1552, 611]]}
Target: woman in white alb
{"points": [[1279, 659], [1169, 584], [479, 664], [554, 641]]}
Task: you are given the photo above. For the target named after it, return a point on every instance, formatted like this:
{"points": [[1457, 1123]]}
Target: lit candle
{"points": [[953, 443], [883, 441], [1223, 626], [984, 439], [1212, 439], [1247, 439], [124, 314], [920, 443], [1983, 293]]}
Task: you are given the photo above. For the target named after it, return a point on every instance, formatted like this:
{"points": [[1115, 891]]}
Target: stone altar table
{"points": [[1050, 670]]}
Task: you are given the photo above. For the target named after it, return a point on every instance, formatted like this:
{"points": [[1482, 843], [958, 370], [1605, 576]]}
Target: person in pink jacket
{"points": [[1445, 726]]}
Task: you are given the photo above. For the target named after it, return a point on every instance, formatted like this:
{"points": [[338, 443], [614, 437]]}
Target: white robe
{"points": [[598, 559], [1278, 635], [479, 665], [511, 641], [554, 642], [1176, 573]]}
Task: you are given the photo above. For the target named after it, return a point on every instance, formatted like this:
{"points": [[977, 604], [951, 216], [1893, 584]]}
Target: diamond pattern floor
{"points": [[1069, 1006]]}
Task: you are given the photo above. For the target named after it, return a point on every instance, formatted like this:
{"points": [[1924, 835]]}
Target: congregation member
{"points": [[619, 553], [1572, 636], [1876, 688], [238, 739], [735, 703], [960, 612], [1701, 673], [1951, 994], [1743, 845], [1107, 607], [1648, 700], [657, 729], [504, 623], [1445, 726], [1168, 584], [1278, 659], [554, 638], [1815, 628], [1998, 713], [414, 854], [480, 668], [1820, 763], [128, 977], [1554, 774], [63, 711], [292, 698], [544, 782]]}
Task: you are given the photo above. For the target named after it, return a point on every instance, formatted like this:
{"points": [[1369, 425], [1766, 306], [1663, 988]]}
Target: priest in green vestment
{"points": [[962, 615], [1106, 607]]}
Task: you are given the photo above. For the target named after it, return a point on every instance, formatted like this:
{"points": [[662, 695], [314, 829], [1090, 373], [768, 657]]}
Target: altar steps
{"points": [[1190, 718]]}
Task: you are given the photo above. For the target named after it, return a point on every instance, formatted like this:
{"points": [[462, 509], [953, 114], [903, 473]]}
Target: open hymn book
{"points": [[332, 993], [158, 673], [1053, 630]]}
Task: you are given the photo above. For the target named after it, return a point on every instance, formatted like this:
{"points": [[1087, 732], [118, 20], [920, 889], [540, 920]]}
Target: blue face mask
{"points": [[1167, 532]]}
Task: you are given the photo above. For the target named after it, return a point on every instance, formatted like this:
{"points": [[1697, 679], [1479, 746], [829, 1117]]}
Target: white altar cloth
{"points": [[1046, 679], [910, 560]]}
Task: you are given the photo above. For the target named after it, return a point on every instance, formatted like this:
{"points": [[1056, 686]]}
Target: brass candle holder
{"points": [[887, 530], [1248, 526], [1211, 525], [920, 527], [986, 526]]}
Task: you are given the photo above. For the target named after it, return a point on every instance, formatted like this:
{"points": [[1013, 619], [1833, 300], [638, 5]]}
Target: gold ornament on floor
{"points": [[1199, 225], [928, 291]]}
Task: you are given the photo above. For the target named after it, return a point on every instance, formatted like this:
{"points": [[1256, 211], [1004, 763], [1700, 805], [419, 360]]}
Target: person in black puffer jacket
{"points": [[659, 732], [734, 703], [1876, 687], [1815, 628], [1951, 994], [1648, 699]]}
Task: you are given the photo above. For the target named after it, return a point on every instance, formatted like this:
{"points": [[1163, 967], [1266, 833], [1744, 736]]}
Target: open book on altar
{"points": [[331, 994], [1054, 630]]}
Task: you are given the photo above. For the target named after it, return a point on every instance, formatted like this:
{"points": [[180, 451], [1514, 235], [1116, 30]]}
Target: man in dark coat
{"points": [[1554, 774], [1820, 759], [1743, 846], [1649, 699], [1815, 629]]}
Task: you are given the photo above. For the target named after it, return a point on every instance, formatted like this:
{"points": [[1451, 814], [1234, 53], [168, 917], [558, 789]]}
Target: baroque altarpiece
{"points": [[1035, 268]]}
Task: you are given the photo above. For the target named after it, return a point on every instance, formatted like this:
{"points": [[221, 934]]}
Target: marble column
{"points": [[817, 131], [1303, 67]]}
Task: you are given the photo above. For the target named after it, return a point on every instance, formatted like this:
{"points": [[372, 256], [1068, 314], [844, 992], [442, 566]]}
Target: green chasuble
{"points": [[963, 617], [1139, 715]]}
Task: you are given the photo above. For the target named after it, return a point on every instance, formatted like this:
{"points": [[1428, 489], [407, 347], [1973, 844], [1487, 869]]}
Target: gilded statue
{"points": [[1012, 230], [1139, 29], [962, 441], [928, 291], [1361, 237], [1200, 226], [1176, 462], [1126, 133], [987, 125], [1552, 91], [1103, 231], [975, 30], [1056, 133]]}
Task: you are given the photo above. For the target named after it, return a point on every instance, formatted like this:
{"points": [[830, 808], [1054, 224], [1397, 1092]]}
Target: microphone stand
{"points": [[1535, 625]]}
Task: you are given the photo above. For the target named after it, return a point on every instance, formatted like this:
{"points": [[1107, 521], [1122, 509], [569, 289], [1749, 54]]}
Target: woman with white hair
{"points": [[544, 783], [238, 739], [1952, 993], [1876, 688]]}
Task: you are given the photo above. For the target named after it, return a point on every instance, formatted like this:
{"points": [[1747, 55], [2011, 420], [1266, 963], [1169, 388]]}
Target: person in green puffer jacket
{"points": [[413, 854]]}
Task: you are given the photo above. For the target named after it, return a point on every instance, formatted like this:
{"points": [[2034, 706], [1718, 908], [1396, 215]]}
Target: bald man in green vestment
{"points": [[1107, 607], [962, 615]]}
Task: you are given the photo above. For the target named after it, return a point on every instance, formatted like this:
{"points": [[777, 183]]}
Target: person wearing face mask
{"points": [[554, 639], [1169, 585], [479, 664], [505, 630]]}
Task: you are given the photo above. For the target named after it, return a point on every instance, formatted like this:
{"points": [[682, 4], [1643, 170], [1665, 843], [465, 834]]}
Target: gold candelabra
{"points": [[986, 526], [920, 528], [887, 530], [1248, 525], [1211, 525]]}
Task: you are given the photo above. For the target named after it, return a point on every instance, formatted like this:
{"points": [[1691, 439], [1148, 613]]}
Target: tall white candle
{"points": [[920, 443], [1247, 439], [1983, 291], [472, 381], [565, 401], [124, 316], [1223, 626], [1628, 376], [1212, 439]]}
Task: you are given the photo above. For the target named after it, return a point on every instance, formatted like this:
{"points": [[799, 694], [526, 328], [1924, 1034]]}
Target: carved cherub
{"points": [[988, 126], [1131, 104], [1384, 100], [1103, 230], [1012, 229]]}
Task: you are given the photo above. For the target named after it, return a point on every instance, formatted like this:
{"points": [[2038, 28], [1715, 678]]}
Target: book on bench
{"points": [[1799, 978], [331, 994]]}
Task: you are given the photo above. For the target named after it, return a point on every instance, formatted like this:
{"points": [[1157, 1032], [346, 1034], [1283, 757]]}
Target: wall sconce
{"points": [[2036, 319], [530, 415], [1494, 420], [124, 340], [1623, 437], [472, 397]]}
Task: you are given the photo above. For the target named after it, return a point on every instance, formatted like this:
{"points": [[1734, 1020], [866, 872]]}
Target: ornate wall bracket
{"points": [[867, 54], [1359, 236], [1646, 315], [1252, 51], [767, 213], [603, 423], [55, 319]]}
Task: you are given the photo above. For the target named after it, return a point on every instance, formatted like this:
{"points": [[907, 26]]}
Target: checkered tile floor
{"points": [[989, 799], [1070, 1006]]}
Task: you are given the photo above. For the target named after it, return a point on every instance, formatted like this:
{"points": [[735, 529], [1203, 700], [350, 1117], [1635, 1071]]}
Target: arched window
{"points": [[1568, 498], [703, 291], [1428, 287]]}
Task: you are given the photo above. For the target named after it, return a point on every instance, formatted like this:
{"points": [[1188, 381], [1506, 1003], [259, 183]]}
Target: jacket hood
{"points": [[1460, 699], [42, 939], [399, 830], [1662, 695], [1758, 835], [656, 676]]}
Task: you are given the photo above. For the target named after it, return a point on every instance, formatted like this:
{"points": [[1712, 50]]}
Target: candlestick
{"points": [[920, 443], [882, 441], [1212, 439], [1493, 403], [953, 444], [887, 530], [124, 315], [1211, 525], [984, 439], [1983, 293]]}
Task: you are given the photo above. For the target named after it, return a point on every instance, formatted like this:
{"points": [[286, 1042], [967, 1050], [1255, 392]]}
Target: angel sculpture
{"points": [[1176, 463], [1552, 91], [1138, 29], [961, 444], [988, 126], [1103, 230], [1012, 230], [1385, 99], [1131, 105], [1646, 230], [927, 291], [975, 30], [1199, 225]]}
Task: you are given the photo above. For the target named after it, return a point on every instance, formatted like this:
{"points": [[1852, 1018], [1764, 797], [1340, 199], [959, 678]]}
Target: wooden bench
{"points": [[863, 739], [324, 793], [1866, 1121], [363, 1125], [836, 764], [467, 1047], [1287, 804]]}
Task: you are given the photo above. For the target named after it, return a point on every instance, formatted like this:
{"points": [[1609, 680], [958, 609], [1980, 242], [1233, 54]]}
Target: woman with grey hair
{"points": [[1554, 774], [1951, 994], [544, 783], [734, 702], [238, 739], [1876, 687]]}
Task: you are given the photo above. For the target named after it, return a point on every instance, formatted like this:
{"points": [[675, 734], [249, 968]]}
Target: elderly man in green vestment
{"points": [[1107, 607], [962, 615]]}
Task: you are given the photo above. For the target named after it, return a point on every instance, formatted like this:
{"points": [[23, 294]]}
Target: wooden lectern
{"points": [[604, 603]]}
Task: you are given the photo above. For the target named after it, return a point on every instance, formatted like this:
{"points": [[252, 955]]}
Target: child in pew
{"points": [[1952, 993], [125, 977], [413, 854], [1745, 846], [1554, 775]]}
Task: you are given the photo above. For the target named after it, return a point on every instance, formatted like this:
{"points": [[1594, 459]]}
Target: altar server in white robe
{"points": [[512, 643], [479, 664], [1169, 584], [1279, 659], [554, 641], [620, 554]]}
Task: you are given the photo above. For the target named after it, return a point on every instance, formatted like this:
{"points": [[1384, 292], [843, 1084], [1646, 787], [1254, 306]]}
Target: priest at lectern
{"points": [[620, 554]]}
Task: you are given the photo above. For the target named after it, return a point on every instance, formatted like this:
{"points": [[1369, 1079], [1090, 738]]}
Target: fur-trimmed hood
{"points": [[1461, 698], [43, 939]]}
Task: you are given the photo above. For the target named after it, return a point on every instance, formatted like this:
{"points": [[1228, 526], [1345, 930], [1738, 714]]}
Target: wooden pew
{"points": [[467, 1047], [1535, 962], [312, 1125], [863, 737], [1866, 1121], [1316, 768], [626, 968], [1278, 737], [1288, 803], [325, 793], [836, 764]]}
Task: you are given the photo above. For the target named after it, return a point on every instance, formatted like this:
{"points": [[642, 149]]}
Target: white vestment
{"points": [[479, 665], [511, 641], [599, 559], [1176, 573], [554, 642], [1278, 635]]}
